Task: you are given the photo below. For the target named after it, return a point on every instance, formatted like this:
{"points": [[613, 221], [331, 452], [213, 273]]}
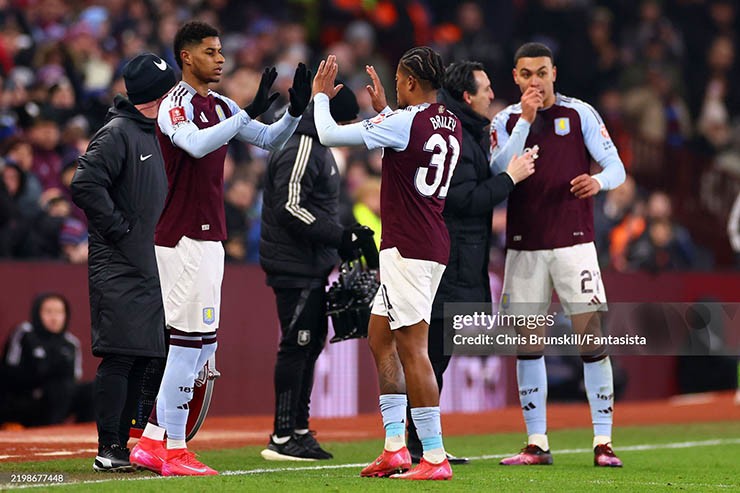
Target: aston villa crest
{"points": [[562, 126]]}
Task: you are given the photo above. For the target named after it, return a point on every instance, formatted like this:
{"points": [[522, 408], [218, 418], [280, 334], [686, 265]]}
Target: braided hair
{"points": [[425, 65]]}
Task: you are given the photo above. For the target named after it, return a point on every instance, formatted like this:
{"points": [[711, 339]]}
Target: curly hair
{"points": [[424, 64], [189, 34]]}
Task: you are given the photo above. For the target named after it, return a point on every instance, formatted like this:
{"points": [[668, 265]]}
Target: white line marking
{"points": [[627, 448]]}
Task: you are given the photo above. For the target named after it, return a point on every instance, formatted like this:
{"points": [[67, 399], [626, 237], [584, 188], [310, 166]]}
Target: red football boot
{"points": [[604, 456], [388, 463], [182, 462], [149, 454], [531, 455], [426, 471]]}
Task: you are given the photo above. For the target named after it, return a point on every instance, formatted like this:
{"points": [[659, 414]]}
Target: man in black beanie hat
{"points": [[300, 236], [121, 185]]}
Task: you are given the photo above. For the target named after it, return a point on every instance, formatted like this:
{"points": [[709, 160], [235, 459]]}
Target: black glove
{"points": [[300, 93], [262, 101], [353, 238]]}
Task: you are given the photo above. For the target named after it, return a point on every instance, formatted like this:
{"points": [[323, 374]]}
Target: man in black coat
{"points": [[299, 240], [121, 185], [474, 192]]}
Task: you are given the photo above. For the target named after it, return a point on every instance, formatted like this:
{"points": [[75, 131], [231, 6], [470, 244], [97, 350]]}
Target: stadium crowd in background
{"points": [[660, 73]]}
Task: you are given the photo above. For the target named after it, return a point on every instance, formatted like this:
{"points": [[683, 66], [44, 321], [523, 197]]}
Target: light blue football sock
{"points": [[177, 388], [429, 428], [393, 410], [599, 383], [531, 376]]}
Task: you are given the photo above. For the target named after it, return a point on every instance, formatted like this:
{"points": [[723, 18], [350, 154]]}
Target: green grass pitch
{"points": [[696, 457]]}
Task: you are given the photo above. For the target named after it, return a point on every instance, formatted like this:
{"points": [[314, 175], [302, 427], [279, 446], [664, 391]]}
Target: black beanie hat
{"points": [[343, 106], [147, 78]]}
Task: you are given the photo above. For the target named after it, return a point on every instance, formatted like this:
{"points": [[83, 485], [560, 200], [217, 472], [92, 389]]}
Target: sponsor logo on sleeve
{"points": [[604, 132], [177, 116], [494, 139], [368, 124]]}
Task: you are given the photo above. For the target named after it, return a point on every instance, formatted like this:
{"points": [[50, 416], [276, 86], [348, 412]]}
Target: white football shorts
{"points": [[190, 275], [530, 276], [407, 288]]}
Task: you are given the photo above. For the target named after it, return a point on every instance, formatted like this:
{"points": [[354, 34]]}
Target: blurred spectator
{"points": [[606, 65], [657, 250], [47, 163], [664, 245], [239, 197], [42, 367], [18, 185], [18, 153], [612, 222], [73, 241], [653, 28], [477, 42]]}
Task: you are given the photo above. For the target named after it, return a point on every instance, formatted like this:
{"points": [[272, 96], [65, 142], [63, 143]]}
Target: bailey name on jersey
{"points": [[448, 122]]}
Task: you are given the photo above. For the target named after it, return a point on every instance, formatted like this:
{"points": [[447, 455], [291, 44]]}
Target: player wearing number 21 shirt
{"points": [[549, 239], [421, 146]]}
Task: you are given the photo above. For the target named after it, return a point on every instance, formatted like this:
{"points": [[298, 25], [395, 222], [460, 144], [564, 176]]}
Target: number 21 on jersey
{"points": [[439, 147]]}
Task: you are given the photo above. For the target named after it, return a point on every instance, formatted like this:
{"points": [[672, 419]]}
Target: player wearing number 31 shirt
{"points": [[421, 145]]}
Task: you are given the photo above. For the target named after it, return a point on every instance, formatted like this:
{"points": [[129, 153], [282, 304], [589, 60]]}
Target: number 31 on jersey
{"points": [[439, 148]]}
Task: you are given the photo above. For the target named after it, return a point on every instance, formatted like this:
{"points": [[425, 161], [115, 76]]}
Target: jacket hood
{"points": [[307, 125], [123, 108], [474, 123], [38, 326]]}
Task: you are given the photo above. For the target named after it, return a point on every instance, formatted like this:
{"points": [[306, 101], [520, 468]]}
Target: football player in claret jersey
{"points": [[195, 125], [421, 146], [549, 238]]}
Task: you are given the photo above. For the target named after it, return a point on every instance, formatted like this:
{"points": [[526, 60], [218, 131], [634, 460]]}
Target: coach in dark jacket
{"points": [[299, 241], [121, 185], [468, 211]]}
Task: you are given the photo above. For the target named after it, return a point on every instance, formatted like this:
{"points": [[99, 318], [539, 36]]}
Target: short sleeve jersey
{"points": [[195, 202], [421, 146], [542, 212]]}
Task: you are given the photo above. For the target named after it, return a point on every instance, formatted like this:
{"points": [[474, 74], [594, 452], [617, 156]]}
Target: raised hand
{"points": [[531, 101], [300, 93], [262, 101], [522, 167], [584, 186], [325, 76], [376, 91]]}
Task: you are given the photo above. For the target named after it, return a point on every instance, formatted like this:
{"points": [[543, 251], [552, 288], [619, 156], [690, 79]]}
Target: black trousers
{"points": [[117, 391], [440, 362], [303, 324]]}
